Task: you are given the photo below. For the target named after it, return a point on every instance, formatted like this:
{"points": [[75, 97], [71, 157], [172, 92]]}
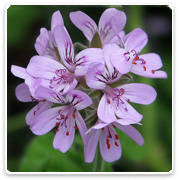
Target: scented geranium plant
{"points": [[90, 91]]}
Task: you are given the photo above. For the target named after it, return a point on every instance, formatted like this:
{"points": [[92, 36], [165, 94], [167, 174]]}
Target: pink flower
{"points": [[127, 59], [108, 139], [63, 117], [104, 29]]}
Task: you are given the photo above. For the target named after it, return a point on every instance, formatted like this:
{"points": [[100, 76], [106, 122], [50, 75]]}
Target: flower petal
{"points": [[131, 132], [78, 99], [45, 121], [36, 110], [40, 66], [56, 20], [139, 93], [105, 26], [97, 76], [84, 23], [19, 72], [81, 126], [85, 58], [91, 144], [62, 141], [120, 61], [105, 110], [135, 40], [111, 154], [65, 46], [22, 93]]}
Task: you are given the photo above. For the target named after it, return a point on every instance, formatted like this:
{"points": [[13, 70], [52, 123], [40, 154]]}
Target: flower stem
{"points": [[99, 162]]}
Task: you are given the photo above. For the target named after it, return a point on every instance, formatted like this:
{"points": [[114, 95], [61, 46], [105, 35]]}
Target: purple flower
{"points": [[128, 59], [104, 29], [108, 139], [63, 117], [45, 42]]}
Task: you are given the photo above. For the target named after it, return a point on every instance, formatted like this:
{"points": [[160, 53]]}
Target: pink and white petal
{"points": [[49, 95], [81, 126], [45, 121], [19, 72], [125, 121], [56, 20], [105, 26], [112, 154], [120, 61], [97, 76], [128, 112], [91, 144], [65, 46], [36, 110], [105, 110], [115, 39], [135, 40], [84, 23], [40, 66], [139, 93], [153, 61], [22, 93], [42, 42], [131, 132], [85, 58], [80, 100], [69, 86], [108, 50], [139, 70], [62, 141], [99, 125]]}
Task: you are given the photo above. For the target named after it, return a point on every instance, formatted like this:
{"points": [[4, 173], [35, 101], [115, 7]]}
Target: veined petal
{"points": [[139, 93], [131, 132], [45, 121], [84, 23], [105, 110], [108, 50], [81, 126], [85, 58], [113, 153], [43, 67], [78, 99], [120, 61], [135, 40], [19, 72], [91, 144], [35, 111], [56, 20], [105, 26], [42, 42], [65, 136], [22, 93], [48, 94], [97, 76]]}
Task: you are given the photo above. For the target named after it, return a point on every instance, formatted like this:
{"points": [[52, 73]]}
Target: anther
{"points": [[134, 63], [109, 102], [136, 58], [103, 129], [75, 127], [153, 71], [107, 141], [44, 100], [122, 90], [116, 143], [62, 116], [114, 126], [56, 130], [67, 134], [74, 116], [108, 146], [116, 137], [59, 111], [144, 68], [57, 124]]}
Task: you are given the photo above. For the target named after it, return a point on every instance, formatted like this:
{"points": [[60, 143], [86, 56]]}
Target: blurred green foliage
{"points": [[30, 153]]}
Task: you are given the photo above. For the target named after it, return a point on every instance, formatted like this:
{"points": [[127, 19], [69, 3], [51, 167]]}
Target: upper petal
{"points": [[56, 20], [105, 25], [84, 23], [139, 93], [19, 72], [85, 58], [135, 40], [65, 46], [80, 100], [131, 132]]}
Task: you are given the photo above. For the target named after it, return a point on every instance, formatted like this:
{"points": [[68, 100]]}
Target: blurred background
{"points": [[27, 152]]}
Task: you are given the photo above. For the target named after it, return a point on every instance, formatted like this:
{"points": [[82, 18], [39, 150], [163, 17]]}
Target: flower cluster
{"points": [[88, 90]]}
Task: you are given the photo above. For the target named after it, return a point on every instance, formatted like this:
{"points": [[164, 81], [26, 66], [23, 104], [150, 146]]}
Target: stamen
{"points": [[108, 146], [57, 124], [134, 63], [103, 129], [67, 134], [107, 141], [153, 71], [116, 137], [44, 100], [109, 102], [56, 130], [59, 111], [116, 143], [75, 127], [144, 68], [74, 116], [114, 126]]}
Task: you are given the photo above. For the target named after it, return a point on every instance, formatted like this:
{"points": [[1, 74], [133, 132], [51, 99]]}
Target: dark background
{"points": [[30, 153]]}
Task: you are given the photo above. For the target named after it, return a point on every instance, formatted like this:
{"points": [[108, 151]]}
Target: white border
{"points": [[5, 5]]}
